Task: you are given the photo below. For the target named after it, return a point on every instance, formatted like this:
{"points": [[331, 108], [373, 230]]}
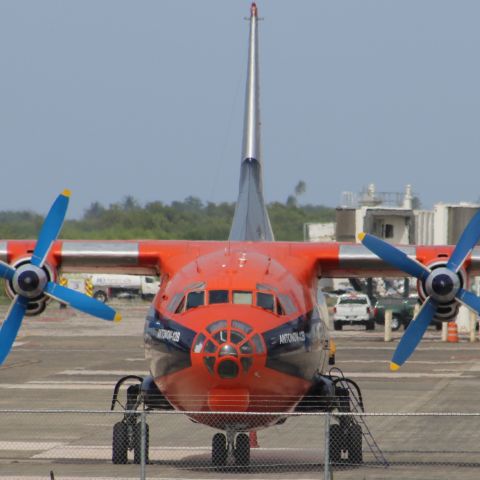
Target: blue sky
{"points": [[145, 98]]}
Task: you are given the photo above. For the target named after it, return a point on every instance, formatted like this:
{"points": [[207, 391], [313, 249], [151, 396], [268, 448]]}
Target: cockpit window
{"points": [[195, 299], [181, 305], [218, 296], [266, 301], [242, 298], [174, 302]]}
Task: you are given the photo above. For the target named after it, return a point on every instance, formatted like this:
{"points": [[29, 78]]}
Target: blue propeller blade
{"points": [[411, 338], [469, 238], [10, 326], [81, 302], [394, 256], [6, 271], [50, 229], [469, 299]]}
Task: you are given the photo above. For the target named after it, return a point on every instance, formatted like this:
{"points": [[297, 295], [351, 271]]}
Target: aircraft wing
{"points": [[150, 257], [342, 260], [141, 257]]}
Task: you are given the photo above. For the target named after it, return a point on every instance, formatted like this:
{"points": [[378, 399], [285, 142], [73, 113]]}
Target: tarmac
{"points": [[64, 360]]}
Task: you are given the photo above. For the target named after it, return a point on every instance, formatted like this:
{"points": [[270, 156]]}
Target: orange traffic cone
{"points": [[452, 332], [253, 439]]}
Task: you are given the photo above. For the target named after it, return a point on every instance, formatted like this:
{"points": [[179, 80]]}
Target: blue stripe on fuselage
{"points": [[295, 347], [170, 343]]}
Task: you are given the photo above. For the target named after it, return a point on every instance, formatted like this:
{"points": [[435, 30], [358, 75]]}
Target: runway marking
{"points": [[102, 452], [448, 349], [415, 362], [71, 382], [404, 375], [57, 386], [119, 373], [475, 367], [22, 446]]}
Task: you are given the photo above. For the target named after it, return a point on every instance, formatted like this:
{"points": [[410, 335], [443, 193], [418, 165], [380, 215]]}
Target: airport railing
{"points": [[67, 444]]}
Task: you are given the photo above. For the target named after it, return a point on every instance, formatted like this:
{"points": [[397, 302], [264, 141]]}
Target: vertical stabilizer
{"points": [[251, 221]]}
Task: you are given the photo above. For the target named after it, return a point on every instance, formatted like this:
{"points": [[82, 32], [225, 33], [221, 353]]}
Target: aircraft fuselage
{"points": [[236, 330]]}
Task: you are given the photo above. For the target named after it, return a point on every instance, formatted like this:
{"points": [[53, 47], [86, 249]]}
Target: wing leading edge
{"points": [[147, 257]]}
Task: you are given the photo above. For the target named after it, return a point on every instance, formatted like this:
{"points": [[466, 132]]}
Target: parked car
{"points": [[353, 309], [402, 311]]}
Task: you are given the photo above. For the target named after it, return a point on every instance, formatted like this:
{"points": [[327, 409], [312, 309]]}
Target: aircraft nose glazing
{"points": [[228, 348]]}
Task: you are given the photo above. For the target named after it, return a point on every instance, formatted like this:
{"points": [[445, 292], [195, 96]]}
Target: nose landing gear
{"points": [[223, 445]]}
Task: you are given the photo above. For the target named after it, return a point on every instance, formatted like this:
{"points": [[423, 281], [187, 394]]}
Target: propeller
{"points": [[29, 281], [442, 285]]}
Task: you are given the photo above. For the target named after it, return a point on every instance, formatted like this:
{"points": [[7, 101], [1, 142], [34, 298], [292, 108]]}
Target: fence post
{"points": [[388, 326], [143, 445], [444, 331], [326, 474], [473, 326]]}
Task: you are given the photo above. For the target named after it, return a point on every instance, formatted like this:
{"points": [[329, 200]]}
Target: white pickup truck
{"points": [[353, 309]]}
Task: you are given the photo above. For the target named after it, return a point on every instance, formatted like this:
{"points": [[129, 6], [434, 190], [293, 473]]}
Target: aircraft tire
{"points": [[242, 450], [355, 455], [137, 443], [335, 442], [219, 450], [120, 444]]}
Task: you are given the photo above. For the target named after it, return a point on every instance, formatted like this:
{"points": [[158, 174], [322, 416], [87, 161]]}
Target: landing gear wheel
{"points": [[219, 450], [337, 325], [335, 442], [137, 443], [241, 452], [120, 444], [354, 442]]}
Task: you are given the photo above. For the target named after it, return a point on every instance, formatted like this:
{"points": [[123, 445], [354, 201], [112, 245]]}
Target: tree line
{"points": [[191, 219]]}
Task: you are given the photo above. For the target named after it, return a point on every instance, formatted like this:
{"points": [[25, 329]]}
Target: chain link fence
{"points": [[101, 444]]}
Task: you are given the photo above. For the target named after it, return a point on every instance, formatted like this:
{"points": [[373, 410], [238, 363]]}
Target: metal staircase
{"points": [[355, 405]]}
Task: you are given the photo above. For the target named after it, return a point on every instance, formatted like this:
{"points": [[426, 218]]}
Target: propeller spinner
{"points": [[29, 281], [442, 285]]}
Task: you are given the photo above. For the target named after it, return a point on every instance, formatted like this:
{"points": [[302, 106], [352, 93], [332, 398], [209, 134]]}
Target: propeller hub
{"points": [[29, 281], [442, 285]]}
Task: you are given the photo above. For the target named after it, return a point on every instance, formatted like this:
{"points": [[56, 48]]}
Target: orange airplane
{"points": [[236, 325]]}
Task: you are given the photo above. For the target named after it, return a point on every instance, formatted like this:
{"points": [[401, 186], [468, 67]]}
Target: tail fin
{"points": [[251, 221]]}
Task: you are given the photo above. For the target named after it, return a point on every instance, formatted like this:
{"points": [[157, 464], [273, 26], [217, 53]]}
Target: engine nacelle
{"points": [[447, 307], [38, 303]]}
